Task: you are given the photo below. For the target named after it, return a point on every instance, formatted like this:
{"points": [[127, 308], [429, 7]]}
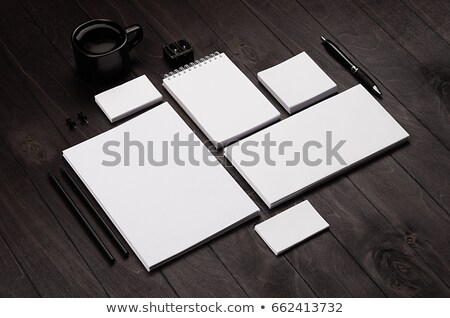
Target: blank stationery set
{"points": [[165, 210]]}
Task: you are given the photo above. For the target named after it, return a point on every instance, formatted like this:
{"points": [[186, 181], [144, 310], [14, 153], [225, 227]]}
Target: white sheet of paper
{"points": [[161, 210], [353, 116]]}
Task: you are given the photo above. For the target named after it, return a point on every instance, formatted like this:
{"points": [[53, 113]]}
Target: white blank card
{"points": [[291, 227], [297, 82], [128, 98]]}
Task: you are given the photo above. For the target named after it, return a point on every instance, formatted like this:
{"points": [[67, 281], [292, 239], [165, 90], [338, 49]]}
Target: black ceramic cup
{"points": [[102, 50]]}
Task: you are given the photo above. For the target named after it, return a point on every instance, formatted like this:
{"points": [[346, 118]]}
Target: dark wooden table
{"points": [[389, 218]]}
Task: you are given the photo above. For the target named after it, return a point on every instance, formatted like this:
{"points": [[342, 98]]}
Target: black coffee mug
{"points": [[102, 49]]}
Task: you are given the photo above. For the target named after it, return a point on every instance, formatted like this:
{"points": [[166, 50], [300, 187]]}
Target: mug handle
{"points": [[134, 34]]}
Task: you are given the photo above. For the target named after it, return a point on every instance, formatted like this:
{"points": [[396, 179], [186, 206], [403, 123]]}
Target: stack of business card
{"points": [[297, 83], [128, 98]]}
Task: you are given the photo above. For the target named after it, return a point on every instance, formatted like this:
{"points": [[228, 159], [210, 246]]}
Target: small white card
{"points": [[128, 98], [291, 227], [297, 82]]}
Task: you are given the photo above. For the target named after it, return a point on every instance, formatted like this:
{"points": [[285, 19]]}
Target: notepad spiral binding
{"points": [[193, 65]]}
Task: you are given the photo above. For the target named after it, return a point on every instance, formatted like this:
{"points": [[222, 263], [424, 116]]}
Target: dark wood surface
{"points": [[389, 219]]}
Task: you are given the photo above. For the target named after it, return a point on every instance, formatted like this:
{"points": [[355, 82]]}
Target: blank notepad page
{"points": [[220, 99]]}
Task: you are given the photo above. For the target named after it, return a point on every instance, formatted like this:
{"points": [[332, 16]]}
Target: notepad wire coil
{"points": [[193, 65]]}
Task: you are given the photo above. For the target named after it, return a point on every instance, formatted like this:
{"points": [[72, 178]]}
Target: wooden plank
{"points": [[416, 37], [381, 248], [251, 38], [210, 281], [199, 35], [279, 278], [387, 197], [14, 281], [46, 254], [422, 222], [55, 86], [387, 61], [434, 13]]}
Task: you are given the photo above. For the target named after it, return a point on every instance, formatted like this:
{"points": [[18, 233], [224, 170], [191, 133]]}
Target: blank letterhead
{"points": [[162, 210]]}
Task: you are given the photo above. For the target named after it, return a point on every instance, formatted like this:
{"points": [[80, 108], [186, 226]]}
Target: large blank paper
{"points": [[354, 117], [221, 100], [161, 210], [291, 227]]}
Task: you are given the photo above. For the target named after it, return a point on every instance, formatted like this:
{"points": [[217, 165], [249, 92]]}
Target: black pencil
{"points": [[95, 212], [97, 239]]}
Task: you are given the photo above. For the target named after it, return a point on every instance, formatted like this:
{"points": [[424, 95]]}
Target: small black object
{"points": [[80, 215], [83, 118], [71, 123], [178, 53]]}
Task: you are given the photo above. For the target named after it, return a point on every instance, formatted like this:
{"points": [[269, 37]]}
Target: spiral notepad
{"points": [[220, 99]]}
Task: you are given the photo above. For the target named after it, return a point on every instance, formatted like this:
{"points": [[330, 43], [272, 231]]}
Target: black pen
{"points": [[97, 239], [95, 212], [360, 75]]}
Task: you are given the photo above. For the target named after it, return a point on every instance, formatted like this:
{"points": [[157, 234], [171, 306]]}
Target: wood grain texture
{"points": [[434, 13], [416, 37], [53, 264], [28, 226], [14, 281], [389, 218], [416, 216], [391, 65]]}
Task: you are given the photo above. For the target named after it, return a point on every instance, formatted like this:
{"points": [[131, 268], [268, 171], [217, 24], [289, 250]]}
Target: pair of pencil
{"points": [[94, 211]]}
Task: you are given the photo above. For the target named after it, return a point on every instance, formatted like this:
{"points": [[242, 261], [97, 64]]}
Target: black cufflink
{"points": [[71, 123], [83, 118]]}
